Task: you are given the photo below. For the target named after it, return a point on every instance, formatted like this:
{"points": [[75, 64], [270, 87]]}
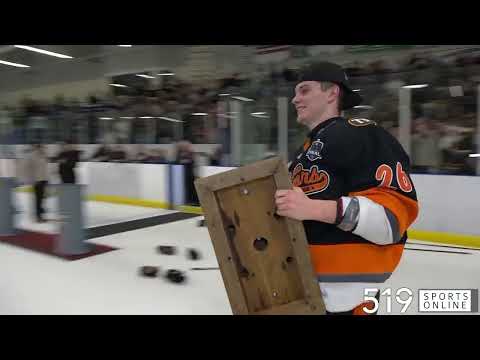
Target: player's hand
{"points": [[293, 204]]}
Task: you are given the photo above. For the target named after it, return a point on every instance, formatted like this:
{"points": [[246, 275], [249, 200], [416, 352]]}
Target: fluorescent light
{"points": [[355, 90], [474, 155], [145, 76], [127, 117], [169, 119], [146, 117], [260, 114], [118, 85], [41, 51], [419, 86], [241, 98], [125, 45], [166, 74], [224, 94], [199, 114], [363, 107], [106, 118], [13, 64]]}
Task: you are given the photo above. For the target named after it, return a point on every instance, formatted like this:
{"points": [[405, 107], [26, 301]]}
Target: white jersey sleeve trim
{"points": [[373, 223]]}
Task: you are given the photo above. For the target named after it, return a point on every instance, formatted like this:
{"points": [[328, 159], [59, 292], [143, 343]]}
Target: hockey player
{"points": [[352, 190]]}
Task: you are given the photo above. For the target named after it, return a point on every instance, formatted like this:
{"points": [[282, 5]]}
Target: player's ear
{"points": [[334, 93], [336, 90]]}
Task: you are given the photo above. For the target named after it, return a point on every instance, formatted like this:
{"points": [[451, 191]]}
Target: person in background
{"points": [[37, 173], [216, 157], [102, 153], [6, 125], [142, 154], [37, 123], [159, 156], [67, 161], [118, 153], [426, 155], [185, 156]]}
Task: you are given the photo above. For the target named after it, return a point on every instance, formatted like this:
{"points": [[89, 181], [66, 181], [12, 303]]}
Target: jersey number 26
{"points": [[384, 174]]}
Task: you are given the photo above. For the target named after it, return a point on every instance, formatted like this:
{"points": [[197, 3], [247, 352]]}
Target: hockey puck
{"points": [[175, 276], [166, 250], [193, 254], [149, 271]]}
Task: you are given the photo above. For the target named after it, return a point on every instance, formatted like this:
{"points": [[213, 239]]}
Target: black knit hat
{"points": [[326, 71]]}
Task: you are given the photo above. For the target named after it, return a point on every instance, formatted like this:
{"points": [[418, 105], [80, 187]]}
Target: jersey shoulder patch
{"points": [[359, 122]]}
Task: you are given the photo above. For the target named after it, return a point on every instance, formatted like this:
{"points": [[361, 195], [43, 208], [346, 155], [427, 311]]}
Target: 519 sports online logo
{"points": [[429, 300]]}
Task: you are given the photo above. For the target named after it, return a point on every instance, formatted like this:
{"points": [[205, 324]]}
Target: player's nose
{"points": [[295, 100]]}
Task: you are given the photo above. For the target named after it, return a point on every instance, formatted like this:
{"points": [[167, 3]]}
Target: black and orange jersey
{"points": [[354, 157]]}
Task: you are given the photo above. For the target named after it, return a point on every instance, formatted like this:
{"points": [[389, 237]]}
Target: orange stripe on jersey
{"points": [[354, 259], [307, 144], [404, 208]]}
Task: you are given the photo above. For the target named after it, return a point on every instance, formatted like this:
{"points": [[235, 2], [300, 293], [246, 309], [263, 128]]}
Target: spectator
{"points": [[6, 125], [216, 157], [118, 154], [102, 154], [37, 124], [142, 154], [185, 157], [158, 156], [67, 160], [37, 173], [426, 156]]}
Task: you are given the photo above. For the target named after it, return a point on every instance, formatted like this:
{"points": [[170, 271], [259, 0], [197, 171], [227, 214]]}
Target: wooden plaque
{"points": [[264, 258]]}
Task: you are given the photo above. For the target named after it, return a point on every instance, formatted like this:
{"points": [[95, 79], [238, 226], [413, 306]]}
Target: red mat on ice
{"points": [[45, 243]]}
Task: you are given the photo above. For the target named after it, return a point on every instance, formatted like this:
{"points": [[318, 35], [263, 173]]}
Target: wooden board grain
{"points": [[263, 258]]}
